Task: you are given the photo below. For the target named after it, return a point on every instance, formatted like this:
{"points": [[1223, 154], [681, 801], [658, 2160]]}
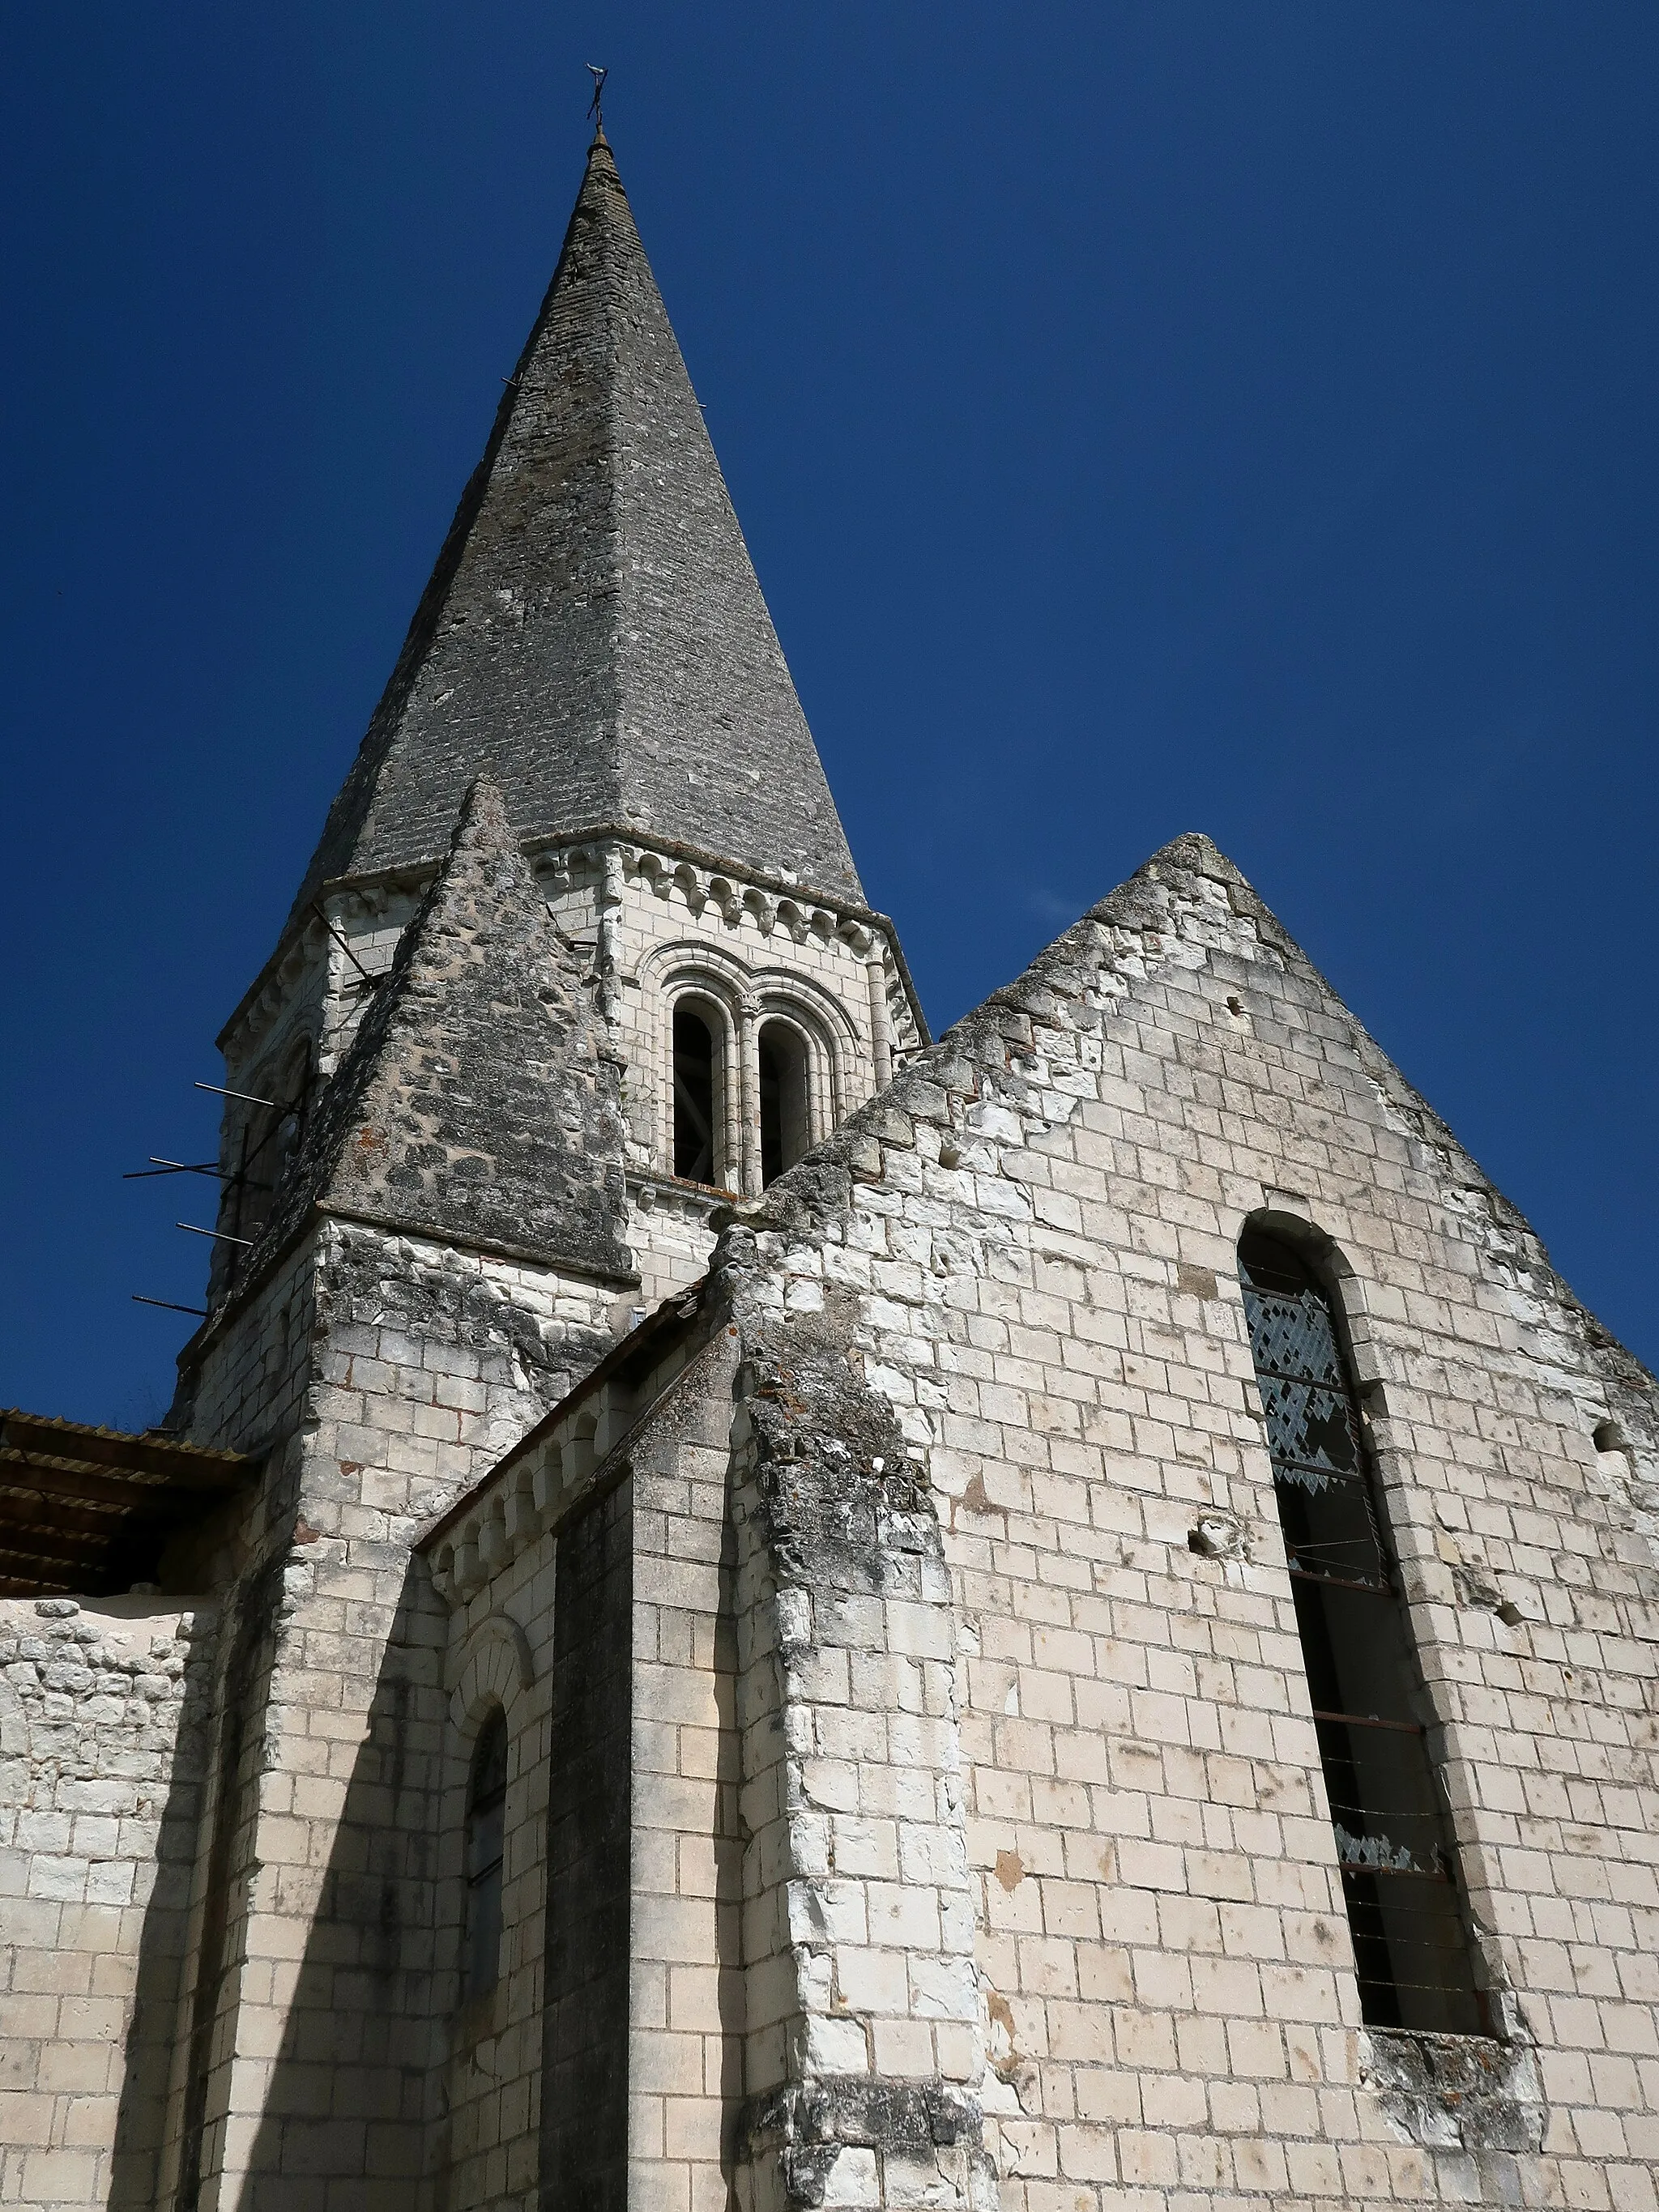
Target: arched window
{"points": [[694, 1096], [785, 1121], [1399, 1867], [486, 1811]]}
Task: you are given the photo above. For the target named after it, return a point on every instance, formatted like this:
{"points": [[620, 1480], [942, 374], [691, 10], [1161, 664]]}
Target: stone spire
{"points": [[478, 1100], [594, 626]]}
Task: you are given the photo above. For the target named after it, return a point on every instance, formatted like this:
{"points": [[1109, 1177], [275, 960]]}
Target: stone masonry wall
{"points": [[102, 1754], [1028, 1249], [109, 1709], [689, 2004], [660, 933]]}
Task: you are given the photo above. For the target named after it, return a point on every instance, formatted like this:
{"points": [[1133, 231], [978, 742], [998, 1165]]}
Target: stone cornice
{"points": [[412, 876]]}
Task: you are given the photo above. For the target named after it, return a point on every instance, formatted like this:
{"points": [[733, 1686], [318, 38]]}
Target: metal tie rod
{"points": [[222, 1235], [167, 1306], [194, 1167], [373, 981], [247, 1096]]}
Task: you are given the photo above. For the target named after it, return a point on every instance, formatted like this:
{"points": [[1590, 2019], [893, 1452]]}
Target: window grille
{"points": [[1400, 1875]]}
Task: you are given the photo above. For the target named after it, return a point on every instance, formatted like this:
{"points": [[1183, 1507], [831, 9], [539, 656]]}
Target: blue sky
{"points": [[1144, 418]]}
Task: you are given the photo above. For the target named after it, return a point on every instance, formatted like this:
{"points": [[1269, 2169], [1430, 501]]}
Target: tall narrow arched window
{"points": [[486, 1822], [694, 1096], [1399, 1867], [785, 1119]]}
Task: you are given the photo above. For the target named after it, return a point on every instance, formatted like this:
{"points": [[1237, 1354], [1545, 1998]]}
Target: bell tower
{"points": [[580, 955]]}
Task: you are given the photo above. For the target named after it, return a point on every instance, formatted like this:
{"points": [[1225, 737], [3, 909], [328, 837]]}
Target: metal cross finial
{"points": [[596, 106]]}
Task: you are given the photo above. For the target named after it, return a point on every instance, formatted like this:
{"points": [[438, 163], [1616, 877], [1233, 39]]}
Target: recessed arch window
{"points": [[696, 1119], [785, 1110], [1399, 1866], [486, 1837]]}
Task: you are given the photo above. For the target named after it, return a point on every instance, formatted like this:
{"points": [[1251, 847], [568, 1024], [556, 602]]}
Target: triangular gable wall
{"points": [[1180, 907], [478, 1100]]}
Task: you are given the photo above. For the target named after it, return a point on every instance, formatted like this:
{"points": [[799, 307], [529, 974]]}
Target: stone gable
{"points": [[1026, 1250]]}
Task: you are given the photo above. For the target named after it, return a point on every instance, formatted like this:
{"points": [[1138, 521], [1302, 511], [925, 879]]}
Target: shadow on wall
{"points": [[154, 2025], [351, 2085], [731, 1987], [644, 1852], [357, 2103]]}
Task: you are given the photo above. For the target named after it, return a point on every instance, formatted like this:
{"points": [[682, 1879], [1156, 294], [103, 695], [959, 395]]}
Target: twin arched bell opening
{"points": [[776, 1104]]}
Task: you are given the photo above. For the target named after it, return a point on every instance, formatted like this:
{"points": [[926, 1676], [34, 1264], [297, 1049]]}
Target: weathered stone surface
{"points": [[479, 1099], [1032, 1270], [103, 1728]]}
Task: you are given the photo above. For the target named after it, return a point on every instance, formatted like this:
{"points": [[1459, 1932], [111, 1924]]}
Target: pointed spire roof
{"points": [[594, 626], [477, 1100]]}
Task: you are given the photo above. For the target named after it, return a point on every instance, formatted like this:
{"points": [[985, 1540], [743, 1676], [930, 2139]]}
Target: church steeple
{"points": [[594, 623], [593, 631]]}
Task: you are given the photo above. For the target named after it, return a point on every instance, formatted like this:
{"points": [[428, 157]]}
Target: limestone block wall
{"points": [[483, 2116], [102, 1741], [1029, 1245], [670, 1234], [242, 1381], [689, 1986]]}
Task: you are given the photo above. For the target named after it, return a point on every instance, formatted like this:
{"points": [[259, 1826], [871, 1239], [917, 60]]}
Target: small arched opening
{"points": [[696, 1123], [785, 1133], [486, 1842]]}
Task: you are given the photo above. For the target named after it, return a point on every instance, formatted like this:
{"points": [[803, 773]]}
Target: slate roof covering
{"points": [[594, 626], [478, 1101]]}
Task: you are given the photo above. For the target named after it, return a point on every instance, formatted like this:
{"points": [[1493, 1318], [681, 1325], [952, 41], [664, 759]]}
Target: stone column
{"points": [[863, 2055], [608, 945], [747, 1152], [881, 1048]]}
